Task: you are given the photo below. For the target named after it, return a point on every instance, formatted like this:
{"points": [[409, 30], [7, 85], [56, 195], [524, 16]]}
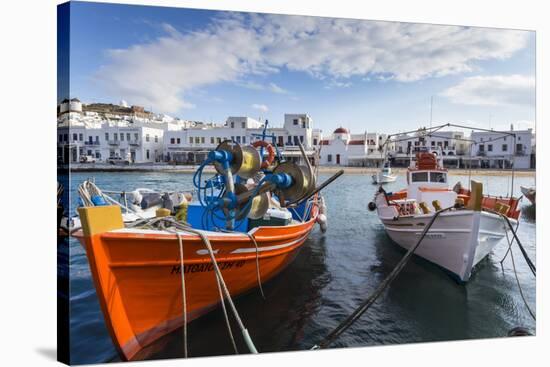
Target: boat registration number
{"points": [[433, 236], [202, 268]]}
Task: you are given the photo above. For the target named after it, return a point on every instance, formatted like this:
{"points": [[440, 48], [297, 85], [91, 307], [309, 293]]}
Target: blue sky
{"points": [[364, 75]]}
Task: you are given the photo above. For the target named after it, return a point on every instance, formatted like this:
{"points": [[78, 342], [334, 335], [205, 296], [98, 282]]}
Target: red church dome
{"points": [[341, 130]]}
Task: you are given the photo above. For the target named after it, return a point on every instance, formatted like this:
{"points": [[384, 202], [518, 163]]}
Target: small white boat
{"points": [[384, 176], [530, 193], [459, 237]]}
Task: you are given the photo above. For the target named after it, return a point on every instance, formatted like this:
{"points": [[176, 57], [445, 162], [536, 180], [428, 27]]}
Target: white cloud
{"points": [[261, 107], [237, 46], [276, 89], [493, 90], [272, 87]]}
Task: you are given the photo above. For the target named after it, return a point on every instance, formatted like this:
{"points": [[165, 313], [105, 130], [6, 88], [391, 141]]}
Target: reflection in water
{"points": [[330, 277]]}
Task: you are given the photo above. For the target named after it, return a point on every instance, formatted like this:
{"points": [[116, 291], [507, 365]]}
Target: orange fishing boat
{"points": [[136, 272], [151, 280]]}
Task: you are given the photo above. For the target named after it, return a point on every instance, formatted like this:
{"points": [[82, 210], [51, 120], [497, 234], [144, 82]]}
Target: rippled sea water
{"points": [[331, 276]]}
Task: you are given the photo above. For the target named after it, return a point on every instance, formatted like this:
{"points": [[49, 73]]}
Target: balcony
{"points": [[92, 143], [114, 142], [521, 152], [135, 143]]}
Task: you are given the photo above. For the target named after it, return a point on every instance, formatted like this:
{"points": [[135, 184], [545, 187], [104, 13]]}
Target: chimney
{"points": [[511, 127]]}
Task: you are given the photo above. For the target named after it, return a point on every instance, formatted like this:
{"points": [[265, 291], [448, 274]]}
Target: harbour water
{"points": [[333, 273]]}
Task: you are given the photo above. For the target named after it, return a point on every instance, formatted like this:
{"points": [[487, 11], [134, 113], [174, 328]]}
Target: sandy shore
{"points": [[324, 169]]}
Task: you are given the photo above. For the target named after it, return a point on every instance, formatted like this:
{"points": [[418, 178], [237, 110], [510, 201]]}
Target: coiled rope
{"points": [[344, 325]]}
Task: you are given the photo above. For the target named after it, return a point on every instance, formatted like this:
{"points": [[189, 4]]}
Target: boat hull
{"points": [[382, 179], [457, 241], [137, 275]]}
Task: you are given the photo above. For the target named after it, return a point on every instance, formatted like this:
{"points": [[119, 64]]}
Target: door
{"points": [[337, 158]]}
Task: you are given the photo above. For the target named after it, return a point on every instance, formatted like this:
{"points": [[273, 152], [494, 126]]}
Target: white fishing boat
{"points": [[384, 175], [530, 193], [466, 231]]}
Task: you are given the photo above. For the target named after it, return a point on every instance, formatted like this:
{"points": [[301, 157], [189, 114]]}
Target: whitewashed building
{"points": [[85, 133], [503, 149], [192, 144], [345, 149]]}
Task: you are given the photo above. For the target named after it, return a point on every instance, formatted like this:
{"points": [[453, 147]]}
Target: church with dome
{"points": [[342, 148]]}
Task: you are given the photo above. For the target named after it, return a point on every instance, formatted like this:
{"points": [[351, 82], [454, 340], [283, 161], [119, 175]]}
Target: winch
{"points": [[231, 193]]}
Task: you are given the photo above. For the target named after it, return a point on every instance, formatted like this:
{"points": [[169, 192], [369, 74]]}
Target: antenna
{"points": [[431, 110]]}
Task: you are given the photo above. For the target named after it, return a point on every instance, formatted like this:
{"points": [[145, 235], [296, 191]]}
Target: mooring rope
{"points": [[183, 294], [517, 279], [226, 316], [251, 236], [344, 325], [221, 281], [523, 252]]}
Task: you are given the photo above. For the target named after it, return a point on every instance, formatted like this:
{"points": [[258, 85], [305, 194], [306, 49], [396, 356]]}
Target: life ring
{"points": [[270, 152]]}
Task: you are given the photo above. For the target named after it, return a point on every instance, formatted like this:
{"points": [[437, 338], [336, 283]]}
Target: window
{"points": [[172, 141], [97, 139], [197, 140], [289, 141], [232, 138], [121, 137], [519, 138], [128, 136], [295, 139], [315, 141], [232, 124], [202, 140], [60, 137], [116, 136], [439, 177], [147, 153], [156, 139], [90, 139], [489, 147], [244, 139], [433, 143], [136, 136], [243, 125], [419, 176], [190, 140], [74, 137], [504, 147], [178, 140], [81, 137], [295, 121], [301, 138], [482, 148], [211, 140], [504, 138], [147, 139], [519, 148], [88, 152], [329, 158], [106, 136], [238, 139]]}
